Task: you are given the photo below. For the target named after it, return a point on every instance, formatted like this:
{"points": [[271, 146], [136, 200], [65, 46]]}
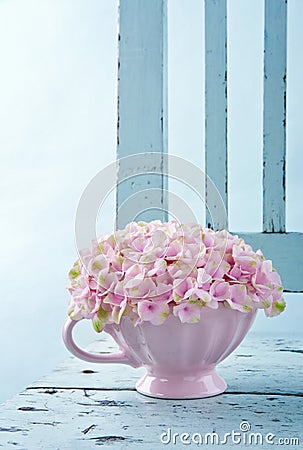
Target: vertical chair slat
{"points": [[274, 115], [216, 104], [142, 102]]}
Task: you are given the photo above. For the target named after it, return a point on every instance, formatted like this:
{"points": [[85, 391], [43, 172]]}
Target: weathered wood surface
{"points": [[274, 115], [216, 105], [142, 103], [79, 419], [285, 249], [82, 405]]}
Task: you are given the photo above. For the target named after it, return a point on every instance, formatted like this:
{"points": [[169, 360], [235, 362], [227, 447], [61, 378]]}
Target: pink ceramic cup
{"points": [[180, 358]]}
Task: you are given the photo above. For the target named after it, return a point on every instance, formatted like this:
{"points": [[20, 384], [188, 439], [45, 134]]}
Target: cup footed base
{"points": [[181, 387]]}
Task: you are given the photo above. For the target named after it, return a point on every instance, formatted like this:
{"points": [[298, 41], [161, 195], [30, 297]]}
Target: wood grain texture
{"points": [[216, 104], [142, 98], [79, 419], [274, 115], [82, 405]]}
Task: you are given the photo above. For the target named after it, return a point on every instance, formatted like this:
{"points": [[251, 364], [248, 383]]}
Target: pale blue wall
{"points": [[57, 115]]}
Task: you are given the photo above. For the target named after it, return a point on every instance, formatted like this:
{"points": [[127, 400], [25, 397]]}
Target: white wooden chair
{"points": [[142, 118]]}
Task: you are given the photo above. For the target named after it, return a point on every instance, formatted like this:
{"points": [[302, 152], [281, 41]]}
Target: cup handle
{"points": [[121, 357]]}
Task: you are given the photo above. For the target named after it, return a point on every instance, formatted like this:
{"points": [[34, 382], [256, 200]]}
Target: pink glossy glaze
{"points": [[180, 358]]}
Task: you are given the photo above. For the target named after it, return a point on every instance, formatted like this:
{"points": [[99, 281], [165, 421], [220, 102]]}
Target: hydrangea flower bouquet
{"points": [[150, 270], [176, 298]]}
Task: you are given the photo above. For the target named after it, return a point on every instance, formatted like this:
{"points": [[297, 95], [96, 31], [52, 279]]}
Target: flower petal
{"points": [[156, 313], [186, 312]]}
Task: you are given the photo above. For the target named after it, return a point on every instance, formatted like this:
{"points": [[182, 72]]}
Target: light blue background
{"points": [[57, 129]]}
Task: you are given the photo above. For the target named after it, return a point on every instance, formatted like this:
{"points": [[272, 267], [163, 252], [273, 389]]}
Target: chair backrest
{"points": [[142, 119]]}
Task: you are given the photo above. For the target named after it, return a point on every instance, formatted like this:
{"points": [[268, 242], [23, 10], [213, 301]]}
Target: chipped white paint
{"points": [[81, 405], [142, 98], [216, 103], [284, 249], [82, 420], [274, 115], [142, 106]]}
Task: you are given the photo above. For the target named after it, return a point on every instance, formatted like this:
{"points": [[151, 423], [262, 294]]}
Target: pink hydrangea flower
{"points": [[150, 270], [156, 313], [188, 312]]}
